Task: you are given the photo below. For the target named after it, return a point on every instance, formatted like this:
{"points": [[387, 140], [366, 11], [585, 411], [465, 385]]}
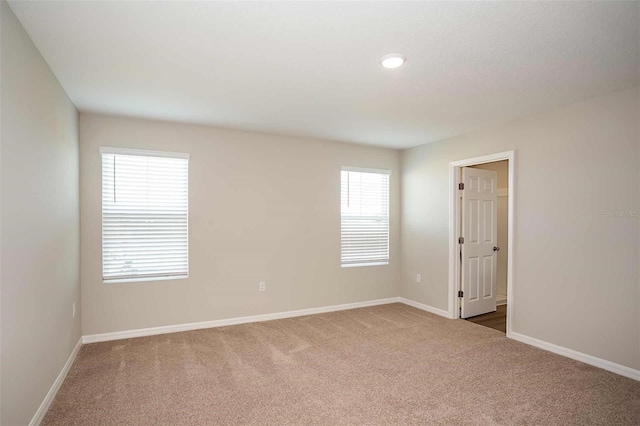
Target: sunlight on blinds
{"points": [[364, 217], [144, 216]]}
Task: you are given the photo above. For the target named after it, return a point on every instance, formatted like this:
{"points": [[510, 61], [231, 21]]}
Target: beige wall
{"points": [[576, 277], [502, 168], [261, 208], [39, 225]]}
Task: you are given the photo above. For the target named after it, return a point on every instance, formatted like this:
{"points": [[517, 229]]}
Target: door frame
{"points": [[455, 210]]}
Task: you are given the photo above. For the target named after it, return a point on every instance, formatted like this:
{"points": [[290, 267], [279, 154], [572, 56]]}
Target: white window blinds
{"points": [[364, 216], [144, 215]]}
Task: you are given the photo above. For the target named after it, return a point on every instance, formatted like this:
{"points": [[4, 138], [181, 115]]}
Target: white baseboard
{"points": [[424, 307], [42, 410], [578, 356], [104, 337]]}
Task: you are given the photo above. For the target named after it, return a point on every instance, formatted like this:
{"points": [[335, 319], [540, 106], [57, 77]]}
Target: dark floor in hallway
{"points": [[496, 320]]}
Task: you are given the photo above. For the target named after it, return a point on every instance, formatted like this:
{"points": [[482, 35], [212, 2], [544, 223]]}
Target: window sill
{"points": [[143, 279], [358, 265]]}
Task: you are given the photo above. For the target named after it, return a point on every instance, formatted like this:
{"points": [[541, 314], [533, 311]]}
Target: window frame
{"points": [[388, 173], [142, 153]]}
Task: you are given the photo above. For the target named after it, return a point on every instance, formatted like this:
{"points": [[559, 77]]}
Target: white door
{"points": [[480, 240]]}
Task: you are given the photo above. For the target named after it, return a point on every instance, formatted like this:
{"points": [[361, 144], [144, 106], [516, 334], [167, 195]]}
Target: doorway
{"points": [[481, 240]]}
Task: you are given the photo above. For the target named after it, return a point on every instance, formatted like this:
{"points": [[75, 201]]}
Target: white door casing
{"points": [[480, 234]]}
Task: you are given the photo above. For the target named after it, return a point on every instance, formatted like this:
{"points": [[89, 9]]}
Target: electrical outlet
{"points": [[74, 309], [262, 286], [418, 278]]}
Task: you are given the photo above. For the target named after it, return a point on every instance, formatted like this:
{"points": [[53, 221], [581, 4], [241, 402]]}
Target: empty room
{"points": [[328, 213]]}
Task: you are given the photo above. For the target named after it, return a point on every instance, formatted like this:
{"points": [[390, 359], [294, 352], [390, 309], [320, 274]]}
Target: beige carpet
{"points": [[390, 364]]}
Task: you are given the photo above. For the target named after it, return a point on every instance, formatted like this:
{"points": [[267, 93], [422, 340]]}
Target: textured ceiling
{"points": [[311, 68]]}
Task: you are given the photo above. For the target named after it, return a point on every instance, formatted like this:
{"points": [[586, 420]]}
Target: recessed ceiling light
{"points": [[393, 60]]}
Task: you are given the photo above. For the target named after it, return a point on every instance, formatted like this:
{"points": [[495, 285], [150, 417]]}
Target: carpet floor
{"points": [[389, 364]]}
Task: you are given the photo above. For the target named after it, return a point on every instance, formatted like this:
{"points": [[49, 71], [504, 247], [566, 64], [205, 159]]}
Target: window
{"points": [[364, 217], [145, 225]]}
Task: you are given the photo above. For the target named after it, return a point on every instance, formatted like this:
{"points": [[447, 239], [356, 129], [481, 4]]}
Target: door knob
{"points": [[496, 249]]}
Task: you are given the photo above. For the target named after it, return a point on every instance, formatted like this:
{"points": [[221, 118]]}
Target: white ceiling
{"points": [[311, 68]]}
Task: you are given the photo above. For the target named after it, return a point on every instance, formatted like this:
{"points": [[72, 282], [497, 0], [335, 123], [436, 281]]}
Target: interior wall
{"points": [[576, 227], [261, 208], [502, 169], [39, 231]]}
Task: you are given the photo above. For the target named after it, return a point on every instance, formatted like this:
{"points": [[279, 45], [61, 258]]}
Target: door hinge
{"points": [[461, 240], [460, 293], [461, 186]]}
